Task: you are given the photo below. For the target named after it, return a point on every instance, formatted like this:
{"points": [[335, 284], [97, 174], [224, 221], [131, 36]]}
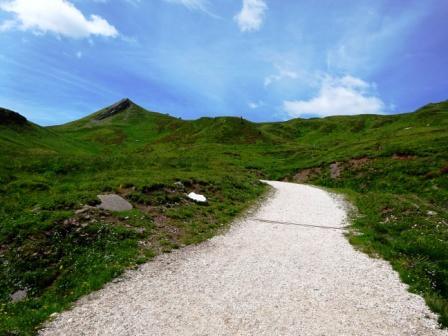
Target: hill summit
{"points": [[8, 117], [114, 109]]}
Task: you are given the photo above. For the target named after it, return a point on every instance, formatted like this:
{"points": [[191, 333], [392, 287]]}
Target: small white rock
{"points": [[197, 197]]}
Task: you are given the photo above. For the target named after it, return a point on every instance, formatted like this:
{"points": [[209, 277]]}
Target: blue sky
{"points": [[261, 59]]}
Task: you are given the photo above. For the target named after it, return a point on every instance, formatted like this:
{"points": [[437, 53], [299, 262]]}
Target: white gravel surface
{"points": [[260, 278]]}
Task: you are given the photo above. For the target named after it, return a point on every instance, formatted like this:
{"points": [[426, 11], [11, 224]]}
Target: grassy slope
{"points": [[59, 255], [398, 176]]}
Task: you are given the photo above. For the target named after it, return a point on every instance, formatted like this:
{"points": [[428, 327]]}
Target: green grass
{"points": [[393, 168], [58, 261]]}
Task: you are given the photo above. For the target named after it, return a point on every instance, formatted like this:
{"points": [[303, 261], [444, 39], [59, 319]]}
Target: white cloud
{"points": [[282, 74], [57, 16], [338, 96], [254, 105], [251, 16], [79, 55]]}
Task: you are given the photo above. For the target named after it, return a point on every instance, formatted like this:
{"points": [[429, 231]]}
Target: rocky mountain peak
{"points": [[114, 109]]}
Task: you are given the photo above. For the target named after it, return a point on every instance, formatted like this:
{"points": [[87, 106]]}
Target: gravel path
{"points": [[260, 278]]}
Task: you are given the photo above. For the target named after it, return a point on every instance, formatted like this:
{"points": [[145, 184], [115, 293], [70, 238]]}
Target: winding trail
{"points": [[286, 269]]}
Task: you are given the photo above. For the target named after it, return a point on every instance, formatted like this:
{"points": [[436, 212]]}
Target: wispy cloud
{"points": [[281, 74], [191, 4], [56, 16], [201, 5], [356, 50], [252, 15], [61, 77], [346, 95], [254, 105], [7, 25]]}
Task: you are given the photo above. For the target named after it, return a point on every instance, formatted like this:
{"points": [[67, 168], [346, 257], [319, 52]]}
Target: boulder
{"points": [[113, 202], [19, 295]]}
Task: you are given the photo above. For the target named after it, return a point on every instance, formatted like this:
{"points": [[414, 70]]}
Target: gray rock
{"points": [[140, 230], [85, 208], [179, 185], [19, 295], [114, 109], [113, 202]]}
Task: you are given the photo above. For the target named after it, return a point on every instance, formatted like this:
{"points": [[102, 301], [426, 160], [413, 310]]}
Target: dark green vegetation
{"points": [[393, 168]]}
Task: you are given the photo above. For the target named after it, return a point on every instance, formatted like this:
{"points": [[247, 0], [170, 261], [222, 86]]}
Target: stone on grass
{"points": [[84, 209], [197, 197], [113, 202], [179, 185], [19, 295]]}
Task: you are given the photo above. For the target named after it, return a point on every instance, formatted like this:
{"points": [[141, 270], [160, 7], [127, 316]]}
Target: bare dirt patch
{"points": [[403, 157], [336, 170], [305, 175], [359, 162]]}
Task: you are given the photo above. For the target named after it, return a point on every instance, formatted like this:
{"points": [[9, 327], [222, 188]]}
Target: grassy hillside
{"points": [[137, 127], [19, 136], [132, 127], [393, 168]]}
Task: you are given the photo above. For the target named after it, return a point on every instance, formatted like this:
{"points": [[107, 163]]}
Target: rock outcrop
{"points": [[114, 109]]}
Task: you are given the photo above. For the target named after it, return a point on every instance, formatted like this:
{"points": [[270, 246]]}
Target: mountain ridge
{"points": [[124, 104], [125, 123]]}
